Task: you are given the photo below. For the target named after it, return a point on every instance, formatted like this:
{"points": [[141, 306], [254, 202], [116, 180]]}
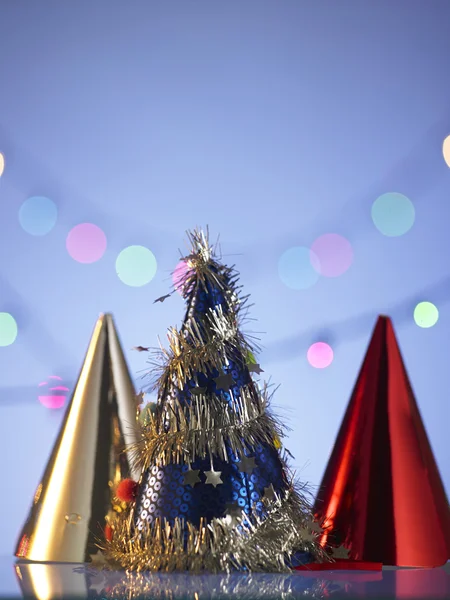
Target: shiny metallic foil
{"points": [[215, 492], [382, 495], [76, 496]]}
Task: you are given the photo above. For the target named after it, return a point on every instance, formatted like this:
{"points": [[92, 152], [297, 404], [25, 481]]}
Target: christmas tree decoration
{"points": [[127, 490], [215, 492], [382, 496], [75, 500], [109, 531]]}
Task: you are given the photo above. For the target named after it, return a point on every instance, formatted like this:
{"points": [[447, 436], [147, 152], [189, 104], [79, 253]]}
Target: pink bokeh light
{"points": [[86, 243], [320, 355], [334, 253], [179, 274], [53, 397]]}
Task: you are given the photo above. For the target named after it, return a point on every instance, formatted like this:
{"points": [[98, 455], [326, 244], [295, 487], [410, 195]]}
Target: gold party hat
{"points": [[76, 497]]}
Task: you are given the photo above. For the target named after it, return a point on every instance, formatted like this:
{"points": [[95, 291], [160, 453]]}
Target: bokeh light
{"points": [[37, 215], [320, 355], [446, 150], [179, 274], [335, 254], [52, 393], [2, 164], [86, 243], [299, 268], [426, 314], [8, 329], [393, 214], [136, 266]]}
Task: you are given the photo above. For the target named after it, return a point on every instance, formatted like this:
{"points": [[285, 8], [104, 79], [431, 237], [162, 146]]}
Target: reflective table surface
{"points": [[47, 581]]}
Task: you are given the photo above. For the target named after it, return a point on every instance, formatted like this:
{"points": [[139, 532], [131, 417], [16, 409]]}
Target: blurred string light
{"points": [[38, 215], [320, 355], [8, 329], [446, 150], [2, 164], [334, 253], [86, 243], [299, 268], [393, 214], [426, 314], [53, 393], [136, 266]]}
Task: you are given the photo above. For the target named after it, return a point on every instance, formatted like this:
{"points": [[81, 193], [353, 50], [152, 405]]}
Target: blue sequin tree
{"points": [[212, 449]]}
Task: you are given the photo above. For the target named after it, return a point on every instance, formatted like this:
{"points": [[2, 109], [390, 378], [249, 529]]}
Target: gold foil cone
{"points": [[76, 497]]}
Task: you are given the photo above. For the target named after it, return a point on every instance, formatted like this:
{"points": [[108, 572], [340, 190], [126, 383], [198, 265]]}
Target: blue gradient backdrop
{"points": [[273, 122]]}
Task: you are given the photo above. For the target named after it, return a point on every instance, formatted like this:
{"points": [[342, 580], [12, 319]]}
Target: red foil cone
{"points": [[382, 496]]}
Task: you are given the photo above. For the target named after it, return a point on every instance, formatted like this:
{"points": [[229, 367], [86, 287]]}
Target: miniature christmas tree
{"points": [[215, 493]]}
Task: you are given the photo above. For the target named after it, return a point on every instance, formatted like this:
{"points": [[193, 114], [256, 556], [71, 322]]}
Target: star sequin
{"points": [[191, 477], [269, 492], [224, 382], [161, 298], [213, 477], [247, 464], [233, 509], [340, 553], [198, 391], [233, 513], [255, 368], [313, 525], [308, 535], [277, 442], [98, 559]]}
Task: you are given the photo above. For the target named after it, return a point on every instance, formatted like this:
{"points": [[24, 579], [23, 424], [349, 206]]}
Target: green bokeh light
{"points": [[426, 314], [8, 329], [393, 214], [136, 266]]}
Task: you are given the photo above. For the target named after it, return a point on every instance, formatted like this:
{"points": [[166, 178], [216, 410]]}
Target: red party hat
{"points": [[382, 496]]}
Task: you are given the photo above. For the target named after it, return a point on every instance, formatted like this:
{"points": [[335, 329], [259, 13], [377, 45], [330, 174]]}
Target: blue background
{"points": [[274, 123]]}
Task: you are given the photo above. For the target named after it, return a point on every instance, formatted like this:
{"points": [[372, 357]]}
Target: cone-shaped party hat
{"points": [[210, 486], [76, 497], [215, 492], [382, 496]]}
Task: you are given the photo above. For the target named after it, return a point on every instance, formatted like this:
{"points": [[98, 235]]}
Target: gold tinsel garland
{"points": [[192, 350], [208, 427]]}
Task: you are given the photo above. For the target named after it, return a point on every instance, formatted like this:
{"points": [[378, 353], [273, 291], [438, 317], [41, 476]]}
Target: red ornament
{"points": [[108, 533], [382, 496], [127, 490]]}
